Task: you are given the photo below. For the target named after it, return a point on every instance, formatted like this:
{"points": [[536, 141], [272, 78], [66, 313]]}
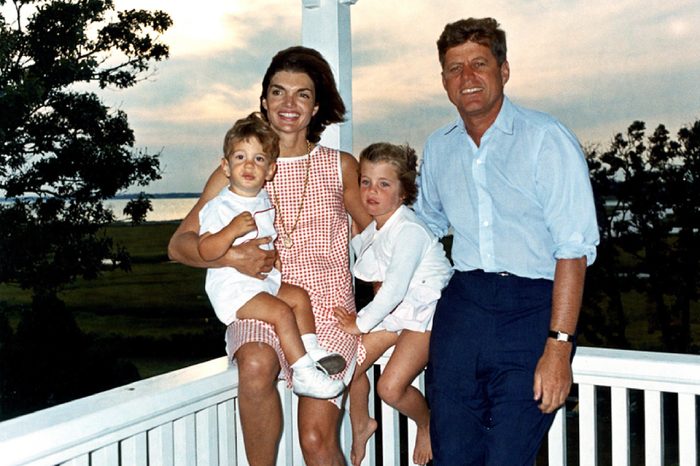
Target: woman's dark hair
{"points": [[403, 158], [484, 31], [298, 59]]}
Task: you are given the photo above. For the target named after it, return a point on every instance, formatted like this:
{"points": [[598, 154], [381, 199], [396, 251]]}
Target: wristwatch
{"points": [[561, 336]]}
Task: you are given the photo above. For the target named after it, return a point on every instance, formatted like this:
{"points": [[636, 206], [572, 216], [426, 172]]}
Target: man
{"points": [[513, 185]]}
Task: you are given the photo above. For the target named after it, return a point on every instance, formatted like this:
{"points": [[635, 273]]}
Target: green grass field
{"points": [[162, 302], [158, 301]]}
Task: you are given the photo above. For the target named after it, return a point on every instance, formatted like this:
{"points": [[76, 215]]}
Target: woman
{"points": [[313, 191]]}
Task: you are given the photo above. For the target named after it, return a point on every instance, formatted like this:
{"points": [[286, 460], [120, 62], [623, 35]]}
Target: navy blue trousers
{"points": [[488, 333]]}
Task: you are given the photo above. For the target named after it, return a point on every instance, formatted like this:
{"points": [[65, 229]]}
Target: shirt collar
{"points": [[504, 120]]}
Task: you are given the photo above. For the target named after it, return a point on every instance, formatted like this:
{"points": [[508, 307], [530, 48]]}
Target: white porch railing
{"points": [[189, 417]]}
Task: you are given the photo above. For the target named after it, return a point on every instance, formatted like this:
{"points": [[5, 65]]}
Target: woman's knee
{"points": [[318, 430], [312, 439], [258, 366]]}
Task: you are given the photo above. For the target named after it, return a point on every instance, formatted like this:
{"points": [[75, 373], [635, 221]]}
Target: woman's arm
{"points": [[351, 192], [247, 258]]}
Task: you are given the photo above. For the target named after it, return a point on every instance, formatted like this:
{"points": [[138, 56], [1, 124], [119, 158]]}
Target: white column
{"points": [[326, 28]]}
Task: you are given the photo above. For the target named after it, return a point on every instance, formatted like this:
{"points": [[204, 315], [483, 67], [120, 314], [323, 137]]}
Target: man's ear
{"points": [[505, 71]]}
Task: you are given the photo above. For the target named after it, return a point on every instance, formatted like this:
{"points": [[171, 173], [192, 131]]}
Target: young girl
{"points": [[399, 251]]}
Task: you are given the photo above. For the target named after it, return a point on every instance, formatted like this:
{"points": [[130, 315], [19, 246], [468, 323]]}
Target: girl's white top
{"points": [[411, 264]]}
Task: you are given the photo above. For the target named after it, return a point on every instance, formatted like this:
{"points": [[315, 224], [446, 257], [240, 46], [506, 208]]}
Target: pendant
{"points": [[287, 242]]}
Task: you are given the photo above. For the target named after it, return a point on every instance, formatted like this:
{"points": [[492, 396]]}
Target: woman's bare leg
{"points": [[394, 387], [319, 424], [363, 426], [259, 402]]}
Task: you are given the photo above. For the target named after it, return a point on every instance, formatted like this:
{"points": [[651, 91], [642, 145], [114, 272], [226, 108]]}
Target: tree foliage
{"points": [[649, 213], [63, 152]]}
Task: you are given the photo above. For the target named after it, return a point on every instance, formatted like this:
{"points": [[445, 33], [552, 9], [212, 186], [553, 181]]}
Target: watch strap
{"points": [[561, 336]]}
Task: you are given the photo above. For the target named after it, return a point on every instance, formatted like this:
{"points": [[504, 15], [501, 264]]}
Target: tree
{"points": [[62, 154], [649, 227], [62, 151]]}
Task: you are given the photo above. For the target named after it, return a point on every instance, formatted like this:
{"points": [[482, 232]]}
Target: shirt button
{"points": [[479, 161], [486, 223]]}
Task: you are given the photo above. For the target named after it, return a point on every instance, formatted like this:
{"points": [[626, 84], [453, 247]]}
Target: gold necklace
{"points": [[287, 235]]}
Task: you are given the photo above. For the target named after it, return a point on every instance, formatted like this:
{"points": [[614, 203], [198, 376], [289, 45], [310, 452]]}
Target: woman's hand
{"points": [[347, 321]]}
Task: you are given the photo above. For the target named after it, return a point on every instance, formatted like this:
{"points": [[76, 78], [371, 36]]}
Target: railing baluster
{"points": [[227, 433], [687, 428], [185, 441], [292, 413], [619, 410], [135, 450], [556, 445], [240, 445], [206, 436], [390, 435], [82, 460], [161, 450], [653, 429], [105, 456], [587, 414]]}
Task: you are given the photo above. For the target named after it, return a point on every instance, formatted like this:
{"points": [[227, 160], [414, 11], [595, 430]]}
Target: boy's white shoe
{"points": [[330, 363], [312, 382]]}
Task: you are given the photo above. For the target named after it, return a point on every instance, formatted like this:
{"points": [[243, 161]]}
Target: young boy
{"points": [[241, 212]]}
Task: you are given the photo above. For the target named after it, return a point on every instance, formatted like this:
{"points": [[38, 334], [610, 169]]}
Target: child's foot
{"points": [[312, 382], [360, 438], [331, 363], [423, 451]]}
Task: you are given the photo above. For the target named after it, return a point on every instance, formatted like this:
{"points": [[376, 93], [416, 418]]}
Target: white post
{"points": [[326, 28]]}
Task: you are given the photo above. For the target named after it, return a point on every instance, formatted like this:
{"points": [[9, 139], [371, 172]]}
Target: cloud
{"points": [[597, 65]]}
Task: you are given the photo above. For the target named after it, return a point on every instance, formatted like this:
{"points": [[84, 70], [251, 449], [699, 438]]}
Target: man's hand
{"points": [[347, 321], [553, 375], [250, 259]]}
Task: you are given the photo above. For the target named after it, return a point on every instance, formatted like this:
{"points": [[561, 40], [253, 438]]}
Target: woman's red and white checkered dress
{"points": [[318, 261]]}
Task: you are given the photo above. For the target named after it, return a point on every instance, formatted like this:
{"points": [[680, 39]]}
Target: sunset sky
{"points": [[596, 65]]}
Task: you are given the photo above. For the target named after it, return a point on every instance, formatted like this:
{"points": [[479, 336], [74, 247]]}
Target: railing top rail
{"points": [[100, 417], [637, 369], [57, 433]]}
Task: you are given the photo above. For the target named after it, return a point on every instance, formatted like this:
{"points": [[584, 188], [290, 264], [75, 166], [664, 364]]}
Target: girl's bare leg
{"points": [[259, 402], [394, 387], [319, 425], [277, 313], [363, 426]]}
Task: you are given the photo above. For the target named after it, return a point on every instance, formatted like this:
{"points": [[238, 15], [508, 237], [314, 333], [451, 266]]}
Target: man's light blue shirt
{"points": [[518, 202]]}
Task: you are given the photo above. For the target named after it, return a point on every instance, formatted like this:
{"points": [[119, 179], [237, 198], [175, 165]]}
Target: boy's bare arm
{"points": [[213, 246], [247, 258]]}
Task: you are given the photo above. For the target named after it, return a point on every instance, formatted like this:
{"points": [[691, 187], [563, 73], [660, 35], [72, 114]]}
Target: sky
{"points": [[597, 65]]}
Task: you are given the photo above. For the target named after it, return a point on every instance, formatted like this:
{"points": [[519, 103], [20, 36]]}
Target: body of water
{"points": [[164, 209]]}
